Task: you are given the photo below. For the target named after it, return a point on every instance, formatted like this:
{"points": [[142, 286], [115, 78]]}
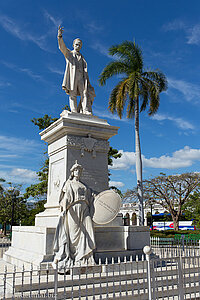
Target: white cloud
{"points": [[182, 124], [56, 70], [17, 30], [20, 176], [4, 84], [7, 156], [108, 115], [189, 90], [13, 153], [16, 146], [23, 70], [17, 107], [117, 184], [174, 25], [24, 173], [101, 49], [193, 35], [179, 159], [192, 32], [56, 21], [125, 161], [92, 27]]}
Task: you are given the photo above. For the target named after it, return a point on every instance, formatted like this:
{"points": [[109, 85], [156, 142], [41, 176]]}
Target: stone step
{"points": [[81, 282]]}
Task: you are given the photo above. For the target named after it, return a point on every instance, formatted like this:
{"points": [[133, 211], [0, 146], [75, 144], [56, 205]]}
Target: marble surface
{"points": [[76, 80], [74, 240], [35, 244], [75, 137], [106, 207]]}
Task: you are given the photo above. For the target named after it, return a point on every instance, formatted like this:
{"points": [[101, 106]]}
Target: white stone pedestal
{"points": [[75, 137], [30, 245], [85, 139], [34, 245], [72, 137]]}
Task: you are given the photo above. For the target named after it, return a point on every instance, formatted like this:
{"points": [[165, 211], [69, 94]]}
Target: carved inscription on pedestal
{"points": [[88, 144]]}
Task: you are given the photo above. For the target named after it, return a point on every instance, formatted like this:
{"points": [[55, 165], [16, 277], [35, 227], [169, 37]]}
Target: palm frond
{"points": [[113, 68], [134, 90], [122, 97], [128, 51], [158, 77], [113, 99], [144, 95], [154, 99], [131, 109], [118, 97], [137, 53], [138, 84]]}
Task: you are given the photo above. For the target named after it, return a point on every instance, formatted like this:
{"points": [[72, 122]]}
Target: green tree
{"points": [[172, 193], [36, 208], [191, 208], [113, 153], [137, 84], [39, 190], [44, 122], [12, 206]]}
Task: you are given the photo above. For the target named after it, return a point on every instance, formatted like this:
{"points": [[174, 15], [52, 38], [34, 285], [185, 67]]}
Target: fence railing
{"points": [[147, 278], [170, 247], [121, 280]]}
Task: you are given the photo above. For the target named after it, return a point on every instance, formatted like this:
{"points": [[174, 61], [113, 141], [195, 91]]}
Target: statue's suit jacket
{"points": [[70, 70]]}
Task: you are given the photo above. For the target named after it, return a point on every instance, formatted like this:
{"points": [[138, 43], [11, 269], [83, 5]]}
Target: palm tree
{"points": [[136, 85]]}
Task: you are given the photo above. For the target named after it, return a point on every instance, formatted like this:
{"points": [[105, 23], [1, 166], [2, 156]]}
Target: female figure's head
{"points": [[76, 171]]}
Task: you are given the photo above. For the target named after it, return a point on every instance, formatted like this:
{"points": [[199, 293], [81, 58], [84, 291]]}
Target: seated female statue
{"points": [[74, 238]]}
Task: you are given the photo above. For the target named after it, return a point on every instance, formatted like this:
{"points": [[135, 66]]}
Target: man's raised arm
{"points": [[61, 43]]}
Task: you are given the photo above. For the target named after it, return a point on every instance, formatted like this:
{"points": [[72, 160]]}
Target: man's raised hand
{"points": [[60, 31]]}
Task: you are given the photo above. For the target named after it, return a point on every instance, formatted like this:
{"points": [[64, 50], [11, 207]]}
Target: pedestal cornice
{"points": [[80, 125]]}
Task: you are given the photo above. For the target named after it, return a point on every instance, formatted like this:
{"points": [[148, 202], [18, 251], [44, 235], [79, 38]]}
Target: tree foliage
{"points": [[113, 153], [137, 85], [39, 190], [12, 205], [44, 122], [137, 82], [191, 208], [170, 192], [36, 208]]}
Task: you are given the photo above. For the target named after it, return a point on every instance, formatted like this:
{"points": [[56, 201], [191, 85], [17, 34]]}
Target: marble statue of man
{"points": [[76, 81]]}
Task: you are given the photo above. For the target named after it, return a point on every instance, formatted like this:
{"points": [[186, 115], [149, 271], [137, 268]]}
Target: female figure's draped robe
{"points": [[74, 238]]}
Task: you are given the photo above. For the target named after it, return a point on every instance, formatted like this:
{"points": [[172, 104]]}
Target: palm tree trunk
{"points": [[138, 164]]}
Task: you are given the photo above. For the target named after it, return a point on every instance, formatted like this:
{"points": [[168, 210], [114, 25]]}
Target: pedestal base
{"points": [[34, 245], [30, 245]]}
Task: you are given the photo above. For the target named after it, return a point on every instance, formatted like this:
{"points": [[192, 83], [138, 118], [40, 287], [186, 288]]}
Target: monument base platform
{"points": [[34, 245]]}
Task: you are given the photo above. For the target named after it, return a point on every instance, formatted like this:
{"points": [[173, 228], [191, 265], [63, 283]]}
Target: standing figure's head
{"points": [[77, 44], [76, 171]]}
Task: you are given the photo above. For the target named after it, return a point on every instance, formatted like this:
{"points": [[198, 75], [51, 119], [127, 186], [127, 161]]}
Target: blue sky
{"points": [[32, 67]]}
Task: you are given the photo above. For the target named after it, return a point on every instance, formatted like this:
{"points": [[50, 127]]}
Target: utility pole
{"points": [[13, 207], [151, 205]]}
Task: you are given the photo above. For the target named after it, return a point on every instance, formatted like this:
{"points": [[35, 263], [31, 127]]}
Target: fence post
{"points": [[198, 252], [56, 281], [147, 252], [180, 277]]}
